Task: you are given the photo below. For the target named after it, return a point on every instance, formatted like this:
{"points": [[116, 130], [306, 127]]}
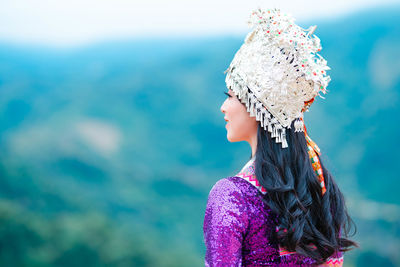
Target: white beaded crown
{"points": [[277, 72]]}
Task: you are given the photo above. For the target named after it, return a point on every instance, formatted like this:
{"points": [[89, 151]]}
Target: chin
{"points": [[233, 138]]}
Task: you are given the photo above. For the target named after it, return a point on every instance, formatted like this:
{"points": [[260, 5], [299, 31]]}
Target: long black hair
{"points": [[304, 216]]}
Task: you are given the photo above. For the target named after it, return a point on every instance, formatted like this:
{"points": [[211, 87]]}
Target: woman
{"points": [[283, 208]]}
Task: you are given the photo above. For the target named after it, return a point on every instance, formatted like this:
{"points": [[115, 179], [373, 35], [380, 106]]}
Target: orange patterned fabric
{"points": [[313, 152]]}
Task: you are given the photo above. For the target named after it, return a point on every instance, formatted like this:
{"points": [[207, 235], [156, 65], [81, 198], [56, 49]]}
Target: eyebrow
{"points": [[227, 93]]}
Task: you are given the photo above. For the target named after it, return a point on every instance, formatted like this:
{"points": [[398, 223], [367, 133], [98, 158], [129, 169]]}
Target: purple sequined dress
{"points": [[239, 227]]}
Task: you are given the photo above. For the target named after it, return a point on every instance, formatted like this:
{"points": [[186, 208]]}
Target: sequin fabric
{"points": [[239, 228]]}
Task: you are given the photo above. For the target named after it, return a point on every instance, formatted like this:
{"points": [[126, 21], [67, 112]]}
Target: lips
{"points": [[227, 122]]}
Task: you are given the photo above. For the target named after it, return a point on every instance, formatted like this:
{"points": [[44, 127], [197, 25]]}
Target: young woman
{"points": [[283, 208]]}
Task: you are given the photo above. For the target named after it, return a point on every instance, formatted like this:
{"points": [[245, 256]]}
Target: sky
{"points": [[76, 22]]}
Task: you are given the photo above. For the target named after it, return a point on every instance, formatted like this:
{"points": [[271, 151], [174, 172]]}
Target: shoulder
{"points": [[234, 190], [227, 200], [231, 185]]}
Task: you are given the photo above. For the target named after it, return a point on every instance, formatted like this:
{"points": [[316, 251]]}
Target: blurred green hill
{"points": [[108, 151]]}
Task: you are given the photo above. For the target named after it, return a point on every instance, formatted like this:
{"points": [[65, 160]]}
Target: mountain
{"points": [[109, 150]]}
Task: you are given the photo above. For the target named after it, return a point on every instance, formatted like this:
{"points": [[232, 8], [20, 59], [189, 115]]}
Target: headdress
{"points": [[277, 73]]}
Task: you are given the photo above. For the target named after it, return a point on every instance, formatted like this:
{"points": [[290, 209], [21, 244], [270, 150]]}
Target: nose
{"points": [[223, 107]]}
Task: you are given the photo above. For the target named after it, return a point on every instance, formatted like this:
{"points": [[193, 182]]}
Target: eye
{"points": [[227, 94]]}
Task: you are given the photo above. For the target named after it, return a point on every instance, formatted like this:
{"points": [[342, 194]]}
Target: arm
{"points": [[225, 224]]}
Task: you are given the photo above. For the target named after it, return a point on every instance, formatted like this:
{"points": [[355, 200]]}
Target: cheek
{"points": [[241, 125]]}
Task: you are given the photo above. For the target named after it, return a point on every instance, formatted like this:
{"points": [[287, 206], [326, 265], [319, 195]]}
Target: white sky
{"points": [[74, 22]]}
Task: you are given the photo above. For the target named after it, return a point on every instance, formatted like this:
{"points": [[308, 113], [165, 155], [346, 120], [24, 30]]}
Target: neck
{"points": [[253, 144]]}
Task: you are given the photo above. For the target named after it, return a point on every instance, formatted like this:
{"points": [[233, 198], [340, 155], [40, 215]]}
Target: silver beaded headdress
{"points": [[277, 72]]}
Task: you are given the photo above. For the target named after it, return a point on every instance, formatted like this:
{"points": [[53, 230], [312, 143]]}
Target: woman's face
{"points": [[240, 126]]}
